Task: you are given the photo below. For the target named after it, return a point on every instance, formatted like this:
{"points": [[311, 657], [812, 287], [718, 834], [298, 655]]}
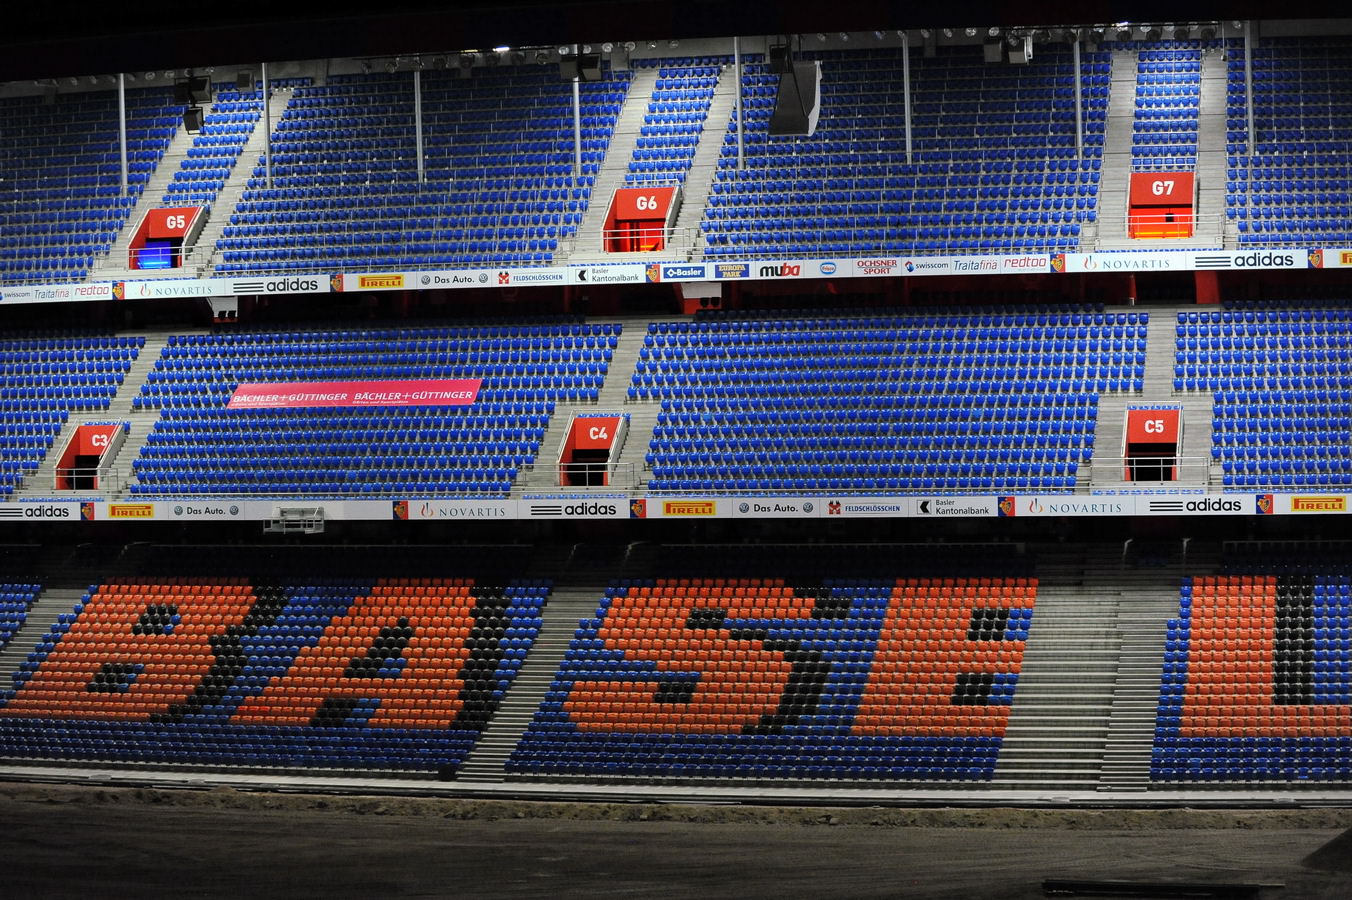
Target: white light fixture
{"points": [[502, 49], [607, 47], [150, 76], [970, 32], [844, 36], [564, 51], [992, 32], [948, 32], [630, 46]]}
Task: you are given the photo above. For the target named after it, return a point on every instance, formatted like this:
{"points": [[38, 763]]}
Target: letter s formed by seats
{"points": [[713, 669]]}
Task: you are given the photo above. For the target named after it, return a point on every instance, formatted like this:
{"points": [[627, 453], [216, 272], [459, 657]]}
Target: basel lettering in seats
{"points": [[1256, 683], [395, 674], [885, 679]]}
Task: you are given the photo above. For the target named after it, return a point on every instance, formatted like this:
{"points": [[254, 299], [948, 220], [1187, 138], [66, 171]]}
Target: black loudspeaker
{"points": [[780, 61], [182, 92], [244, 82], [589, 66], [798, 101], [584, 67], [192, 119]]}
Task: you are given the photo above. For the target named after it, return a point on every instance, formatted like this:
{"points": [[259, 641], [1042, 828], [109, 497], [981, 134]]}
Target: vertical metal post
{"points": [[267, 128], [1079, 98], [417, 125], [577, 116], [737, 100], [122, 127], [1248, 82], [906, 90]]}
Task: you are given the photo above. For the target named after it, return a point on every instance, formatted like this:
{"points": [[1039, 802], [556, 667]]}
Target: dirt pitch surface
{"points": [[90, 842]]}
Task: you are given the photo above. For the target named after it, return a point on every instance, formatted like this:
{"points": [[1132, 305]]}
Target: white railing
{"points": [[1189, 470], [103, 479]]}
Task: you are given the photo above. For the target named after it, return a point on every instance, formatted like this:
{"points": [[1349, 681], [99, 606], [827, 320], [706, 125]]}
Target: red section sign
{"points": [[94, 440], [594, 432], [1161, 188], [170, 223], [643, 204], [1152, 426], [442, 392]]}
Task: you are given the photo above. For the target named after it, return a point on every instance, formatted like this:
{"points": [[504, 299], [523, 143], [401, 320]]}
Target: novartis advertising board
{"points": [[660, 271], [582, 506]]}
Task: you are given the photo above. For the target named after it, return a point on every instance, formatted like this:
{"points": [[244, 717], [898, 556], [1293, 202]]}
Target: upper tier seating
{"points": [[499, 186], [200, 446], [1282, 393], [674, 121], [1168, 98], [938, 402], [1296, 189], [995, 167], [799, 676], [61, 205], [42, 381], [226, 128], [395, 673], [1256, 683]]}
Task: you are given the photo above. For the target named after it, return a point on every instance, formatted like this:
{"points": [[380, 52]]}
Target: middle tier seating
{"points": [[929, 403], [1282, 392], [43, 380], [199, 446]]}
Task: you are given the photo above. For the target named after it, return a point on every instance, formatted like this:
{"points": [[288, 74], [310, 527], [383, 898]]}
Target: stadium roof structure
{"points": [[160, 34]]}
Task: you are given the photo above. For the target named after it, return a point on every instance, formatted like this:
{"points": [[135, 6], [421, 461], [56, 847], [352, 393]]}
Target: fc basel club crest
{"points": [[336, 282], [401, 509], [1006, 506], [638, 508], [1316, 258], [1264, 504], [1058, 262], [654, 273], [119, 290]]}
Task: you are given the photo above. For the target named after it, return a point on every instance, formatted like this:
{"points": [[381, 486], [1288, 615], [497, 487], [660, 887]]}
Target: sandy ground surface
{"points": [[67, 841]]}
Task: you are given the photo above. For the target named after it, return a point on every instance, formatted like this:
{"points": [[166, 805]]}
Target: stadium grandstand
{"points": [[915, 415]]}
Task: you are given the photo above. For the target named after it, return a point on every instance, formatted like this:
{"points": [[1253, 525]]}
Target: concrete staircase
{"points": [[1116, 169], [1114, 181], [113, 267], [580, 578], [1212, 224], [543, 477], [113, 485], [1195, 449], [684, 241], [700, 179], [66, 574], [587, 243], [1149, 600], [203, 255], [1057, 726]]}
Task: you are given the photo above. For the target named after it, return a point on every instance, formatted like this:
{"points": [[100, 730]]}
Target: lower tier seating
{"points": [[1256, 684], [897, 679], [363, 673], [15, 600]]}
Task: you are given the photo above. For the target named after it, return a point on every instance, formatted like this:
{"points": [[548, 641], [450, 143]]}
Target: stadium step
{"points": [[579, 583]]}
